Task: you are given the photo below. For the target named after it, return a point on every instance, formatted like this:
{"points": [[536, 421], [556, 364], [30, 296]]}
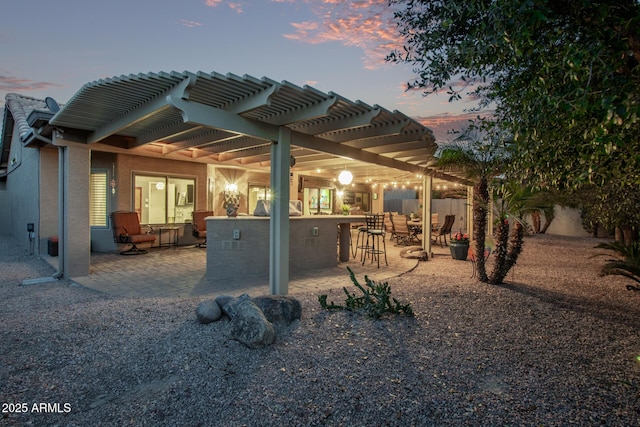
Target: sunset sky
{"points": [[53, 47]]}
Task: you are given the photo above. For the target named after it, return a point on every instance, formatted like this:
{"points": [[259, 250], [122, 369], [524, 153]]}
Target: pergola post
{"points": [[74, 230], [427, 185], [279, 219], [470, 211]]}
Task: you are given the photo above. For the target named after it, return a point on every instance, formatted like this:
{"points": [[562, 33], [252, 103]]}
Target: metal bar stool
{"points": [[360, 244], [375, 233]]}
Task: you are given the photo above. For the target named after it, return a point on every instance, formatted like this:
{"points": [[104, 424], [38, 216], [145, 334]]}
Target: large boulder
{"points": [[249, 324], [279, 309]]}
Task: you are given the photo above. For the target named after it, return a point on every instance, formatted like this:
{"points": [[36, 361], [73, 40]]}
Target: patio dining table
{"points": [[416, 225]]}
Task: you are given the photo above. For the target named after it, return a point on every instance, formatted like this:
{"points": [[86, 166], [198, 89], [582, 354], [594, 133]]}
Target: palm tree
{"points": [[627, 266], [480, 158]]}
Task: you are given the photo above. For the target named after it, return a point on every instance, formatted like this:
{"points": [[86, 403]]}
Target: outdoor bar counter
{"points": [[238, 247]]}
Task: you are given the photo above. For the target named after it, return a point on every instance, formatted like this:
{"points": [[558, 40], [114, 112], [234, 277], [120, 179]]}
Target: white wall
{"points": [[457, 207], [566, 222]]}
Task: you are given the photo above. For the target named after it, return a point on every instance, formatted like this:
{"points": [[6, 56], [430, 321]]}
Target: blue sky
{"points": [[53, 47]]}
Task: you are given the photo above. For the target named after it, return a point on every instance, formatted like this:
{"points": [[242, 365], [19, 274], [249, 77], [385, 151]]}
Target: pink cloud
{"points": [[443, 124], [190, 24], [235, 6], [14, 84], [366, 24]]}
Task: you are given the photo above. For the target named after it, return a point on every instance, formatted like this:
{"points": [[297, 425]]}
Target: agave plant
{"points": [[628, 265]]}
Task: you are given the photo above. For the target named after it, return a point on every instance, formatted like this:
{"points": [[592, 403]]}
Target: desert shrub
{"points": [[375, 300]]}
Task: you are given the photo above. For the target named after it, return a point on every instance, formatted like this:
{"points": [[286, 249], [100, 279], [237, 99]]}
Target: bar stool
{"points": [[375, 232], [362, 232]]}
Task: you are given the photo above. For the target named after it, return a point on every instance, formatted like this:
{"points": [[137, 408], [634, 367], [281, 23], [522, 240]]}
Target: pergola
{"points": [[257, 124]]}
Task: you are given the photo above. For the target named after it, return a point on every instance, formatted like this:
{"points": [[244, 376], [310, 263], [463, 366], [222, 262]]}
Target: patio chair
{"points": [[388, 225], [127, 230], [435, 221], [403, 233], [443, 230], [200, 227], [361, 228], [375, 233]]}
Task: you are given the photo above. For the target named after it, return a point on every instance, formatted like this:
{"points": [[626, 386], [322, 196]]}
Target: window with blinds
{"points": [[98, 199]]}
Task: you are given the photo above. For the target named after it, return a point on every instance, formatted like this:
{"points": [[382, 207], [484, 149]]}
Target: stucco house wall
{"points": [[48, 183], [22, 188]]}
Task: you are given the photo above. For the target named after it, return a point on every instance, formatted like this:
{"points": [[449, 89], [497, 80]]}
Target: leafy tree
{"points": [[562, 76], [612, 206]]}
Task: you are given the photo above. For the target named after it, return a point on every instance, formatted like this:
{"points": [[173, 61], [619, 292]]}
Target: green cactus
{"points": [[374, 302]]}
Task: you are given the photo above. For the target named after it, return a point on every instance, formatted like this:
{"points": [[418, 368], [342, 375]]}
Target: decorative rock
{"points": [[222, 300], [280, 309], [249, 324], [229, 308], [208, 311], [414, 252]]}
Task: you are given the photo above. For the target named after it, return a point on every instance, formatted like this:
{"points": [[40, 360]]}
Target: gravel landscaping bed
{"points": [[555, 345]]}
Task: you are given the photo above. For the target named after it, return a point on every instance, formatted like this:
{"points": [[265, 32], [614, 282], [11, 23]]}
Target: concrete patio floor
{"points": [[180, 272]]}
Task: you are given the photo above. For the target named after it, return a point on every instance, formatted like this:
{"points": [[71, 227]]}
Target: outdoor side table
{"points": [[171, 234]]}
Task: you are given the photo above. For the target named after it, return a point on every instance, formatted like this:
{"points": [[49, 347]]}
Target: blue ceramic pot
{"points": [[459, 250]]}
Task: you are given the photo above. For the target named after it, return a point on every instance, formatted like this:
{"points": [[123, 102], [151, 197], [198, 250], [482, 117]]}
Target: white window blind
{"points": [[98, 199]]}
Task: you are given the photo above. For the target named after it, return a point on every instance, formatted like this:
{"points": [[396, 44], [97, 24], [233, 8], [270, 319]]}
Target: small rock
{"points": [[222, 300], [208, 311]]}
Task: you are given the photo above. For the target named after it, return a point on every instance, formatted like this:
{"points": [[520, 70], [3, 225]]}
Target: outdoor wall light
{"points": [[231, 189], [345, 177]]}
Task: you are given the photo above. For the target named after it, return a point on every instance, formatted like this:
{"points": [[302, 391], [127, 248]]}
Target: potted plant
{"points": [[345, 209], [459, 246], [231, 204]]}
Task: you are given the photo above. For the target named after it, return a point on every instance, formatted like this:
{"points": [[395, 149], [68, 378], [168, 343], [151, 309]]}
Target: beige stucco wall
{"points": [[230, 259], [48, 196]]}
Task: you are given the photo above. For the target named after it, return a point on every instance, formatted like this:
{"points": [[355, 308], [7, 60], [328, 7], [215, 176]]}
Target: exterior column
{"points": [[470, 211], [279, 218], [75, 236], [490, 219], [427, 185]]}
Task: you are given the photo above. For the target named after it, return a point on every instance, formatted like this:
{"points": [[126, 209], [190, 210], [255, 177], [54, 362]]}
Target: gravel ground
{"points": [[556, 345]]}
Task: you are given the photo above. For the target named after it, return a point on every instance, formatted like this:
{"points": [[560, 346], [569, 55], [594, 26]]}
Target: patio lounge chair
{"points": [[200, 227], [441, 233], [127, 229], [388, 224]]}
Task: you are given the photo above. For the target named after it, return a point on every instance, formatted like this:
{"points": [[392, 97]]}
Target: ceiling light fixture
{"points": [[345, 177]]}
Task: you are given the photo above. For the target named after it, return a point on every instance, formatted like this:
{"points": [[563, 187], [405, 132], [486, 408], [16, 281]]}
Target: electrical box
{"points": [[236, 234], [315, 231]]}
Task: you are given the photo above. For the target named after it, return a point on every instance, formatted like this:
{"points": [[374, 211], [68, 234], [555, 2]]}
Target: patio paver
{"points": [[180, 272]]}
